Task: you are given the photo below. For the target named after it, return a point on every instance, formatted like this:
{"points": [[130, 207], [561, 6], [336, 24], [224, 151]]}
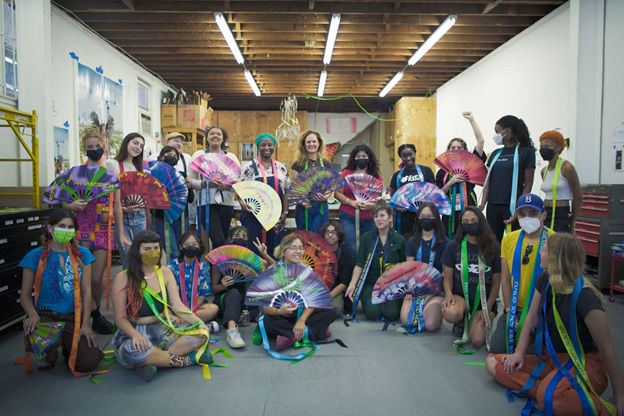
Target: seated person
{"points": [[334, 234]]}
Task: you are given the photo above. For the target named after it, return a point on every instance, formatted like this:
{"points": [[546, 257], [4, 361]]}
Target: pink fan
{"points": [[365, 187], [462, 162], [217, 166]]}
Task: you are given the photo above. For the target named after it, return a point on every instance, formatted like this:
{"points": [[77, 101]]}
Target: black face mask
{"points": [[191, 252], [171, 160], [361, 163], [547, 154], [240, 242], [472, 229], [96, 154], [427, 224]]}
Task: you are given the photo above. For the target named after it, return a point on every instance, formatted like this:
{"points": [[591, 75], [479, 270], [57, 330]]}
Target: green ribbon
{"points": [[354, 99]]}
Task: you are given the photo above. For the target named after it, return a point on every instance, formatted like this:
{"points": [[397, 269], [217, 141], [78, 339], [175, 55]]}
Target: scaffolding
{"points": [[19, 122]]}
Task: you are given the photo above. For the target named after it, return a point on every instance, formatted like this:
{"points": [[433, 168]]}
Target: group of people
{"points": [[523, 247]]}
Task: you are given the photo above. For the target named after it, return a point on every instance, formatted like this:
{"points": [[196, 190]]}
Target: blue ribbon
{"points": [[277, 355], [431, 251], [419, 303], [358, 289]]}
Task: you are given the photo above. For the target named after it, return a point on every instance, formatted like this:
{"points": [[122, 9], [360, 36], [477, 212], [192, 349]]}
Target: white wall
{"points": [[318, 122]]}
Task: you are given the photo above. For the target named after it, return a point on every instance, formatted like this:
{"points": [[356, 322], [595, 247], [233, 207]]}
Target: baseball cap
{"points": [[530, 201], [173, 135]]}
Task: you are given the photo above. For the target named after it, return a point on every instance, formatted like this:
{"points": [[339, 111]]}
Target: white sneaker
{"points": [[233, 338], [213, 326]]}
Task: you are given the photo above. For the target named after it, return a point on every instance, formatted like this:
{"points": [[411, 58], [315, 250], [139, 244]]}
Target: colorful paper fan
{"points": [[410, 196], [143, 190], [365, 187], [408, 278], [44, 336], [292, 285], [318, 254], [462, 162], [264, 201], [217, 166], [236, 261], [316, 180], [84, 182], [176, 188], [331, 149]]}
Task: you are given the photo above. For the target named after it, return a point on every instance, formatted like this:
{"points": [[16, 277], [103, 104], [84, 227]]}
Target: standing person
{"points": [[566, 306], [520, 268], [334, 234], [470, 261], [310, 154], [379, 250], [408, 173], [426, 245], [561, 184], [273, 173], [511, 171], [361, 160], [176, 140], [50, 270], [129, 159], [216, 203]]}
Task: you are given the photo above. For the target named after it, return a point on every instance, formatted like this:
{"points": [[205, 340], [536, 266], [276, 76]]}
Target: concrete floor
{"points": [[381, 373]]}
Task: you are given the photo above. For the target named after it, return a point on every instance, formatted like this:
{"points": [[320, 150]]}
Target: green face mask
{"points": [[63, 235], [151, 257]]}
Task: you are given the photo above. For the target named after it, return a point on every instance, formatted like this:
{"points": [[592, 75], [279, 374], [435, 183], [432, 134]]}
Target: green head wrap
{"points": [[263, 136]]}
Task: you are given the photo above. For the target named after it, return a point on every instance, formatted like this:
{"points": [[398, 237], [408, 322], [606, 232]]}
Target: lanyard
{"points": [[360, 282], [515, 289], [431, 251], [265, 180], [554, 189], [193, 304], [386, 251], [463, 198], [416, 320], [397, 215]]}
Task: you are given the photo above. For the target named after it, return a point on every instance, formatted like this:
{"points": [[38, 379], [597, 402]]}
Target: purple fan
{"points": [[410, 196], [290, 284], [408, 278], [317, 180], [217, 166], [84, 182]]}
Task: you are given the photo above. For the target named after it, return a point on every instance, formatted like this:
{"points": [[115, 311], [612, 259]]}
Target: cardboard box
{"points": [[189, 116], [168, 115]]}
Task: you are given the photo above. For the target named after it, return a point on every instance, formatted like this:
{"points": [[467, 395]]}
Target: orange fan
{"points": [[318, 254], [462, 162]]}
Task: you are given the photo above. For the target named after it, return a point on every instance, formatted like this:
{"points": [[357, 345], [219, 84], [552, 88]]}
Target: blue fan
{"points": [[317, 180], [410, 196], [176, 186]]}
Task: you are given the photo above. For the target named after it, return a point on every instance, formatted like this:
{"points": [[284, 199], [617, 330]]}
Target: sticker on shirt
{"points": [[409, 179], [473, 271]]}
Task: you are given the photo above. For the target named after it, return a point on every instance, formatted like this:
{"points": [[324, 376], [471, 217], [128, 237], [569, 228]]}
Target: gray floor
{"points": [[379, 374]]}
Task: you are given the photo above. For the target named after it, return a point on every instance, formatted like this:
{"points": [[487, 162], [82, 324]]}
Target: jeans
{"points": [[348, 223], [158, 225], [315, 218], [133, 223]]}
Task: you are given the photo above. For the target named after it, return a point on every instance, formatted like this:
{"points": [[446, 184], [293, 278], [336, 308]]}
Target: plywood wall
{"points": [[416, 124]]}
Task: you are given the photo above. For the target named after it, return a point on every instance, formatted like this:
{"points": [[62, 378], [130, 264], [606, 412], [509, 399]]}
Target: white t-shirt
{"points": [[216, 196]]}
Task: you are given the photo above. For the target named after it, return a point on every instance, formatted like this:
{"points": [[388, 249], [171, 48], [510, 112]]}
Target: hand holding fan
{"points": [[217, 166], [462, 162], [318, 180], [318, 254], [265, 203], [408, 278], [143, 190], [84, 182], [45, 336], [176, 187], [238, 262], [410, 196]]}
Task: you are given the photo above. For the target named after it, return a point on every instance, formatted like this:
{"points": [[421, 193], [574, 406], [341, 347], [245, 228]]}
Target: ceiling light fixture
{"points": [[252, 83], [229, 38], [396, 78], [321, 84], [331, 38], [431, 40]]}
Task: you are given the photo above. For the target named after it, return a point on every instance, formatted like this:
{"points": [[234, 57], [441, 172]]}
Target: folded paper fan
{"points": [[84, 182], [410, 196], [176, 188], [263, 200], [331, 149], [318, 254], [365, 187], [293, 285], [143, 190], [217, 166], [317, 180], [45, 336], [462, 162], [236, 261], [408, 278]]}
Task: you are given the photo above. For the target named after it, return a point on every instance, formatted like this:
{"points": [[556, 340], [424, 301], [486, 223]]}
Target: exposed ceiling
{"points": [[283, 43]]}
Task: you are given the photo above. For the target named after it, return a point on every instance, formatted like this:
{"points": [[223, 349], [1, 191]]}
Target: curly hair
{"points": [[340, 232], [302, 154], [373, 165], [555, 136], [518, 129], [488, 247]]}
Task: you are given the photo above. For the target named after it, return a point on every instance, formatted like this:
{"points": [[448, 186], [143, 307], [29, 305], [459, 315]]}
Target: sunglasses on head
{"points": [[527, 252]]}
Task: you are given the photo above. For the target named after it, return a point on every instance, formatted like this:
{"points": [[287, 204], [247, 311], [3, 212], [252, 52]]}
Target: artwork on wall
{"points": [[247, 152], [61, 150]]}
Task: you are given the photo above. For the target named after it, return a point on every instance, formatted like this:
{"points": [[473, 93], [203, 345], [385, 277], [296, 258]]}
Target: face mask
{"points": [[151, 257], [472, 229], [530, 224], [426, 224], [498, 139], [191, 252], [63, 235], [96, 154], [361, 163], [240, 242], [547, 154], [171, 160]]}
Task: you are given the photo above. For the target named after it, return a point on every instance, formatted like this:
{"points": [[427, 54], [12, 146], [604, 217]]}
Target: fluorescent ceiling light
{"points": [[331, 38], [229, 38], [252, 83], [391, 84], [435, 36], [321, 85]]}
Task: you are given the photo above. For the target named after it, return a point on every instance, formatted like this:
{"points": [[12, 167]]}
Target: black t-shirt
{"points": [[452, 258], [441, 175], [426, 250], [587, 301], [346, 263], [298, 167], [408, 218], [501, 174]]}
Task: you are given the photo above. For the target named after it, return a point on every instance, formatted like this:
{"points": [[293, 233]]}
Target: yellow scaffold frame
{"points": [[17, 120]]}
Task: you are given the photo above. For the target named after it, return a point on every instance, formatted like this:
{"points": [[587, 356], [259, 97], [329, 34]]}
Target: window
{"points": [[9, 42], [143, 96]]}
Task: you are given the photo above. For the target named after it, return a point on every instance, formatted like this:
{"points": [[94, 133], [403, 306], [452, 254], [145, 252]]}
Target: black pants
{"points": [[230, 305], [499, 336], [496, 215], [317, 324], [563, 221], [219, 223]]}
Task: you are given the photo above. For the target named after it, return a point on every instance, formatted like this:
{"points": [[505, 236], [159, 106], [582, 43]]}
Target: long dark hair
{"points": [[188, 234], [438, 229], [373, 165], [518, 129], [135, 269], [137, 161], [54, 218], [488, 247]]}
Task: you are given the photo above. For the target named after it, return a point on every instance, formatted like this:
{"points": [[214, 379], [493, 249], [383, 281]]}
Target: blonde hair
{"points": [[302, 154], [285, 243], [457, 139], [88, 133], [566, 261]]}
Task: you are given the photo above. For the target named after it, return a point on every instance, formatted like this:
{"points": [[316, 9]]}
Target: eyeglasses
{"points": [[298, 248], [330, 232], [527, 252]]}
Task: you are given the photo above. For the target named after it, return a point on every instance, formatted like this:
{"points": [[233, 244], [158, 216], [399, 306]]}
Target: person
{"points": [[310, 154], [426, 245], [470, 261], [361, 160], [50, 271], [129, 159], [285, 323], [520, 268], [95, 229], [511, 171], [176, 140], [409, 172], [561, 185], [216, 205], [452, 184], [273, 173], [192, 275], [379, 250], [334, 234], [142, 294], [565, 306]]}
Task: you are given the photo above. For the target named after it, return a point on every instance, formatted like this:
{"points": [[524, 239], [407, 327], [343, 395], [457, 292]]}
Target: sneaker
{"points": [[233, 338], [348, 315], [100, 324], [147, 372], [458, 329], [206, 357], [282, 342], [213, 327]]}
